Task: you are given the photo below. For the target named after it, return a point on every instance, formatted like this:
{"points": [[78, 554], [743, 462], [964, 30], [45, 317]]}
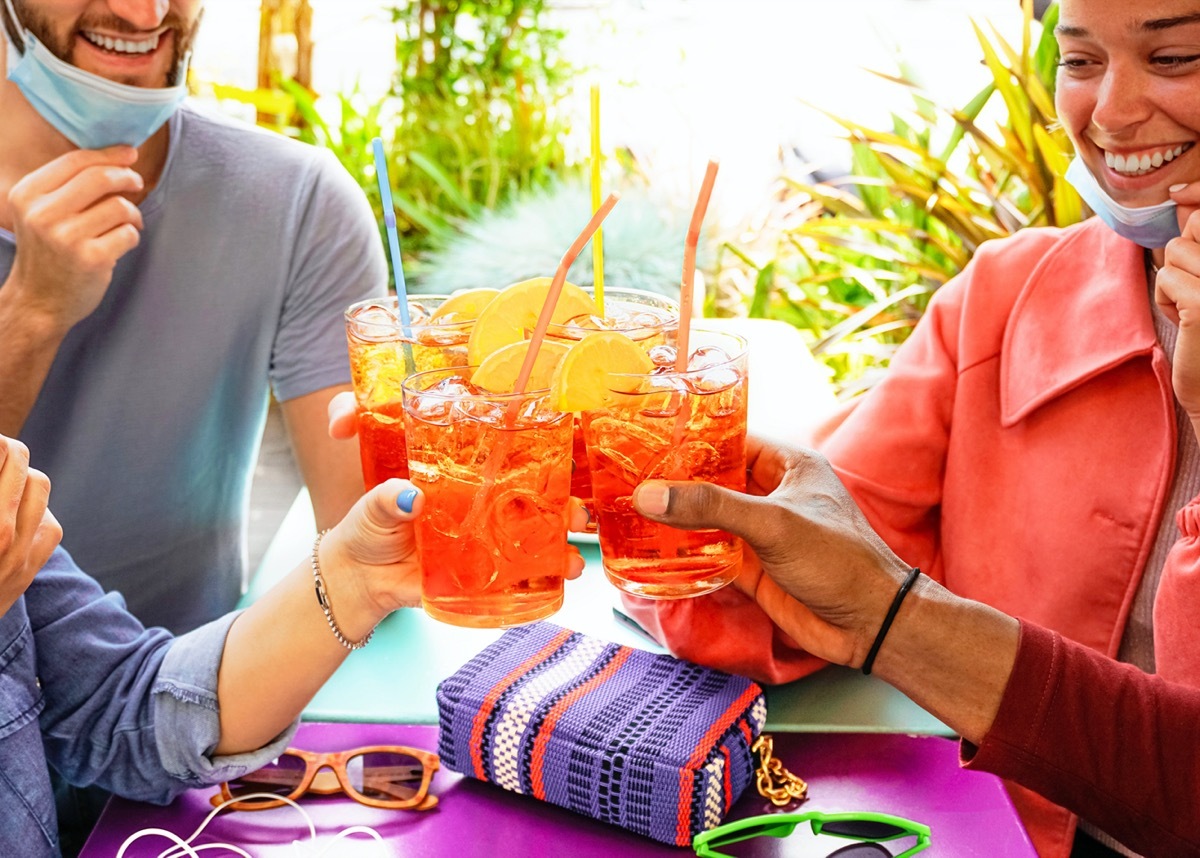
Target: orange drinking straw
{"points": [[689, 266], [556, 286], [598, 242], [535, 343]]}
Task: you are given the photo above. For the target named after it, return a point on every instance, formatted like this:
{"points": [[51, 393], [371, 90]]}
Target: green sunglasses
{"points": [[869, 829]]}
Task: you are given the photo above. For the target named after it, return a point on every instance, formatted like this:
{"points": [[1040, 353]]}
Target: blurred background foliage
{"points": [[853, 261], [477, 88], [475, 124], [472, 117]]}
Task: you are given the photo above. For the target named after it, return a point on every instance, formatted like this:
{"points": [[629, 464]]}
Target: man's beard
{"points": [[63, 46]]}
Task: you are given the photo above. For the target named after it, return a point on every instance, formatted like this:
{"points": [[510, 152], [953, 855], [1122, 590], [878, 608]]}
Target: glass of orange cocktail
{"points": [[671, 425], [496, 472], [383, 354], [644, 317]]}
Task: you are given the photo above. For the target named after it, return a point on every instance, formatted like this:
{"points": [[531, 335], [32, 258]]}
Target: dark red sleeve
{"points": [[1117, 746]]}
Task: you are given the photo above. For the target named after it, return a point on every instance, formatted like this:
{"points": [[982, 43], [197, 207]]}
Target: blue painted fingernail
{"points": [[406, 498]]}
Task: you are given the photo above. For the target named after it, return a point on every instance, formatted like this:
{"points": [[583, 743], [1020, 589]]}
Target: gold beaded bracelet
{"points": [[323, 600]]}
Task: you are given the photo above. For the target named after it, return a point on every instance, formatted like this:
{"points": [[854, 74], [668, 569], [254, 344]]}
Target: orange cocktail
{"points": [[382, 355], [644, 317], [496, 473], [670, 425]]}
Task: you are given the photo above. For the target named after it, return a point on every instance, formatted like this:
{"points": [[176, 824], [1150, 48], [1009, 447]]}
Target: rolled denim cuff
{"points": [[187, 713]]}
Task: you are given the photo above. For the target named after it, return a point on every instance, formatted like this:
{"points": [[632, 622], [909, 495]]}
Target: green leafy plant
{"points": [[470, 121], [477, 87], [853, 264]]}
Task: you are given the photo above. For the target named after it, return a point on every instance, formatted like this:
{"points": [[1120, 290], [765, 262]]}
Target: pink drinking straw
{"points": [[535, 343], [689, 266], [686, 288], [556, 286]]}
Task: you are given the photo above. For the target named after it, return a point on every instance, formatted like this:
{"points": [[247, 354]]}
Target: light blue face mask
{"points": [[1148, 226], [90, 111]]}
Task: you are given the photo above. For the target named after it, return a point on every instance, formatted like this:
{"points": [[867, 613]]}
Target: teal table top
{"points": [[395, 678]]}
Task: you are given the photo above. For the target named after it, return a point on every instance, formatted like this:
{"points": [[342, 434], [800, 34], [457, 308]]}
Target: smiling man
{"points": [[162, 270]]}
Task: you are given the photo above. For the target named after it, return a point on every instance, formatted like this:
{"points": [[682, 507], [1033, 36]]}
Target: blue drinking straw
{"points": [[389, 222]]}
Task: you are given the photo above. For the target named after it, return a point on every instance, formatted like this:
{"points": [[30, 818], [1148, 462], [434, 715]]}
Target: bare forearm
{"points": [[950, 655], [278, 654], [331, 468], [27, 349]]}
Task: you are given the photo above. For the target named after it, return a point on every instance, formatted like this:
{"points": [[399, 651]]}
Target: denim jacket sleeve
{"points": [[128, 708]]}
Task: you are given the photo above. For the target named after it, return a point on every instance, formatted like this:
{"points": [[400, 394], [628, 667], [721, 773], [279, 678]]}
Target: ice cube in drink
{"points": [[674, 426]]}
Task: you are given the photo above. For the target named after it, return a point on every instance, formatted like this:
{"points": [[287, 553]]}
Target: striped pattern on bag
{"points": [[653, 744]]}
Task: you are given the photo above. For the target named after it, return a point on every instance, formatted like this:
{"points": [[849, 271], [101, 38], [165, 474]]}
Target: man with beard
{"points": [[159, 268], [162, 271]]}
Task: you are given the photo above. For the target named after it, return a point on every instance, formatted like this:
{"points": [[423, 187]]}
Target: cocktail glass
{"points": [[687, 425], [645, 317], [379, 355], [496, 473]]}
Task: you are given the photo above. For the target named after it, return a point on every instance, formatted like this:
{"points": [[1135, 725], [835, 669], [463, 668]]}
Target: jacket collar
{"points": [[1084, 310]]}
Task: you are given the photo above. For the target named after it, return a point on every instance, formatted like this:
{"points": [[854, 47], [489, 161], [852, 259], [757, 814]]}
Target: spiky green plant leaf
{"points": [[922, 196]]}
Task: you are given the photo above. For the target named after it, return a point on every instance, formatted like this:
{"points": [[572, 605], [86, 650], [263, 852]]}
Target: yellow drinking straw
{"points": [[598, 239]]}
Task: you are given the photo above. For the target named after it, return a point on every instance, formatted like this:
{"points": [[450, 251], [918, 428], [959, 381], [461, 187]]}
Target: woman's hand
{"points": [[1177, 293], [29, 533], [369, 559], [816, 566]]}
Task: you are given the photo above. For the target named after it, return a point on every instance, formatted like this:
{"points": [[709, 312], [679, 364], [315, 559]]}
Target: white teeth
{"points": [[122, 46], [1139, 165]]}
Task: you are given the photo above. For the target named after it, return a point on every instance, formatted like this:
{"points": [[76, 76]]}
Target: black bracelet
{"points": [[869, 662]]}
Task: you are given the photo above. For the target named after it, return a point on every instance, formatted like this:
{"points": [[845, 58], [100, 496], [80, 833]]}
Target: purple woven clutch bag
{"points": [[653, 744]]}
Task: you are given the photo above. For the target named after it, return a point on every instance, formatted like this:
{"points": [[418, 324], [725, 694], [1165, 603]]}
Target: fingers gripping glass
{"points": [[388, 776], [870, 829]]}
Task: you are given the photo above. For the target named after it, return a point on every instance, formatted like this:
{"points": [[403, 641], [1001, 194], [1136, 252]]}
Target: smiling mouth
{"points": [[123, 47], [1141, 163]]}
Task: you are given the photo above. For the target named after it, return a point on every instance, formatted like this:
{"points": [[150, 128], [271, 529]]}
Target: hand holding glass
{"points": [[670, 425]]}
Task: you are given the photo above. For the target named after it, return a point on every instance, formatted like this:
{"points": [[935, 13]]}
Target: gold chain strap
{"points": [[775, 783]]}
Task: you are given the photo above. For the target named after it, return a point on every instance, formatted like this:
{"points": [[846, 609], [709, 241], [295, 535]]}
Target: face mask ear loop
{"points": [[17, 26]]}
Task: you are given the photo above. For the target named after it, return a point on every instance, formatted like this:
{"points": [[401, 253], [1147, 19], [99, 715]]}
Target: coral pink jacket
{"points": [[1020, 450]]}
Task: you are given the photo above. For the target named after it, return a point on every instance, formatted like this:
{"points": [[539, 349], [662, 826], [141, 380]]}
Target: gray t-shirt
{"points": [[150, 420]]}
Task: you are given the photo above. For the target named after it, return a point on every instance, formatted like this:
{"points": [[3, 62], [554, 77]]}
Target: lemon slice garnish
{"points": [[584, 379], [499, 370], [467, 304], [516, 309]]}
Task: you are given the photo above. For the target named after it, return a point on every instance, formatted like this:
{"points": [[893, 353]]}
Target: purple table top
{"points": [[917, 777]]}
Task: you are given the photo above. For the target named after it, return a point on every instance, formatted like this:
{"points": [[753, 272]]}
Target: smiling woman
{"points": [[1127, 95], [1034, 444]]}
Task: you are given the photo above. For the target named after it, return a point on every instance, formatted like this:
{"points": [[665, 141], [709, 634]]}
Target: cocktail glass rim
{"points": [[615, 292], [484, 395], [384, 330], [635, 390]]}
